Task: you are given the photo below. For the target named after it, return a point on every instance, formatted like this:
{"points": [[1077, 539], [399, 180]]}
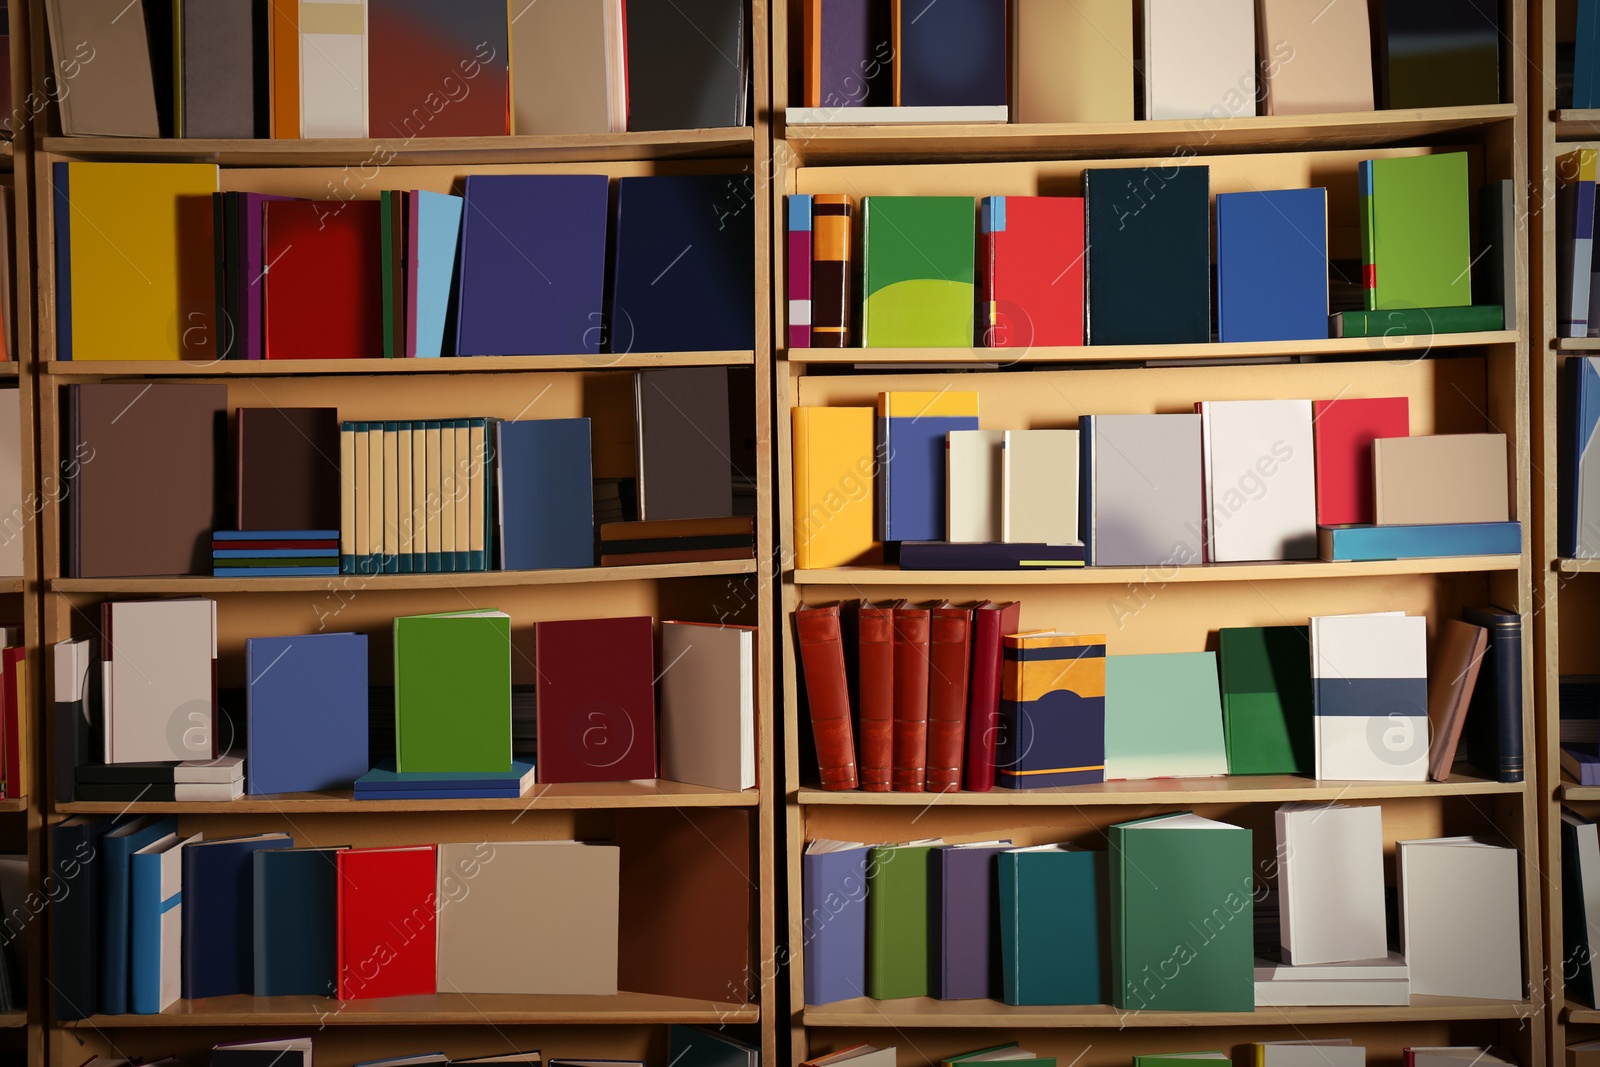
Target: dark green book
{"points": [[898, 960], [1401, 322], [1266, 699], [1052, 925]]}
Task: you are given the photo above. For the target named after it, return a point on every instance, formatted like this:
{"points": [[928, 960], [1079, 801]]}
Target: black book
{"points": [[1148, 242], [986, 556], [687, 64], [126, 793], [73, 882], [1493, 728], [1437, 53]]}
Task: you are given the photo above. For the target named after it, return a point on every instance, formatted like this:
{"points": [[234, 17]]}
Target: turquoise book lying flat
{"points": [[1364, 542]]}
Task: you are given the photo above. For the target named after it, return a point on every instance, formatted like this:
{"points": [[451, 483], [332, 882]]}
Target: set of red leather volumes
{"points": [[919, 687]]}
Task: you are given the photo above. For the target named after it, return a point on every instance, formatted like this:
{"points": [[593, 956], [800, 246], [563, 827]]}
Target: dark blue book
{"points": [[219, 914], [532, 272], [1493, 730], [683, 279], [384, 782], [951, 53], [987, 556], [305, 712], [116, 872], [63, 218], [1585, 60], [75, 930], [693, 1046], [1272, 265], [1148, 253], [294, 898], [546, 496], [1582, 762], [833, 891]]}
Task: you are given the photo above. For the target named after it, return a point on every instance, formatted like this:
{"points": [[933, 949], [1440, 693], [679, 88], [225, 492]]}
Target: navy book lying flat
{"points": [[986, 556], [218, 914]]}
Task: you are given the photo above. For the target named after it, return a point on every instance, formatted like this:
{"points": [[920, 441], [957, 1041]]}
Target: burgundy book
{"points": [[875, 664], [822, 661], [949, 655], [911, 626], [990, 623], [287, 468], [596, 700], [324, 293]]}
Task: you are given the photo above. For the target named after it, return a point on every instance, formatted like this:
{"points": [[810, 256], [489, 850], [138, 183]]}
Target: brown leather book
{"points": [[822, 661], [910, 697], [288, 468], [875, 664], [949, 654]]}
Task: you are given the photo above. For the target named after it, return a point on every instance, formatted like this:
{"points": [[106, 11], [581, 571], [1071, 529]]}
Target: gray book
{"points": [[688, 66], [222, 81], [684, 467], [1141, 489]]}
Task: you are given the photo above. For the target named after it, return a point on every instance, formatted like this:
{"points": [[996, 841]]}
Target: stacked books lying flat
{"points": [[1320, 1052], [427, 68], [690, 1046], [659, 264], [454, 719], [1239, 481], [869, 61], [915, 698], [317, 496], [1047, 271], [928, 923]]}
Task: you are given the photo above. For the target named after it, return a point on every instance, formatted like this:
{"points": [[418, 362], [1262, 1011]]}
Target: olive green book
{"points": [[452, 692], [898, 961], [1266, 699]]}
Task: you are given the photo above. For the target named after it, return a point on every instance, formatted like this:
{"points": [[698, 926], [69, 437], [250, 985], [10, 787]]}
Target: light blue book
{"points": [[1361, 542], [118, 846], [435, 233], [156, 925]]}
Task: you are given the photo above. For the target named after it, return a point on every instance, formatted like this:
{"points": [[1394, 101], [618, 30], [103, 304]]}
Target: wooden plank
{"points": [[1205, 572], [595, 796], [627, 361], [442, 1009]]}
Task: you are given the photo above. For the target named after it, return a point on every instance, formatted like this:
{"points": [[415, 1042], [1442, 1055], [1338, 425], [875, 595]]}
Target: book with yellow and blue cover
{"points": [[1052, 710]]}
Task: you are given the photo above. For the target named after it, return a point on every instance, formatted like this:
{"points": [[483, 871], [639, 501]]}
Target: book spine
{"points": [[949, 648], [1008, 866], [991, 220], [1368, 206], [910, 768], [347, 498], [1086, 514], [144, 933], [61, 175], [875, 664], [798, 272], [822, 661], [830, 270]]}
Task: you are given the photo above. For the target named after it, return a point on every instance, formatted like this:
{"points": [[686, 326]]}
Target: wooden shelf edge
{"points": [[593, 796], [12, 1020], [13, 804], [106, 368], [1155, 575], [1573, 791], [1576, 566]]}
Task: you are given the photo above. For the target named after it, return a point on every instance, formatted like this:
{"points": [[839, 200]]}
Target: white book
{"points": [[973, 476], [1330, 883], [1388, 968], [156, 924], [1039, 487], [1369, 678], [1325, 1053], [1260, 480], [1199, 59], [895, 116], [1460, 918], [708, 705], [219, 771], [1329, 994], [160, 702], [208, 790], [1457, 1056], [1589, 874], [333, 68]]}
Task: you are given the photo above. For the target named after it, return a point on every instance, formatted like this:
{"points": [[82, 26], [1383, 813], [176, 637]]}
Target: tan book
{"points": [[477, 523], [1450, 685], [708, 733], [377, 544], [447, 495], [1315, 57], [360, 489], [102, 59], [528, 917], [391, 498], [1072, 61], [1440, 479], [419, 496], [566, 60], [463, 493], [402, 483], [435, 504], [1040, 487]]}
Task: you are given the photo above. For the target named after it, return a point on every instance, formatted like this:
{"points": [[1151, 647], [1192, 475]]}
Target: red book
{"points": [[596, 699], [949, 653], [324, 279], [1345, 430], [910, 697], [1031, 271], [387, 922], [991, 622], [875, 665], [828, 694]]}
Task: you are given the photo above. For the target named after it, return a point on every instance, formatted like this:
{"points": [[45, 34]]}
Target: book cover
{"points": [[833, 877], [1432, 54], [1415, 232], [1460, 944], [1497, 239], [1575, 210], [434, 232], [950, 54], [990, 623], [1199, 59], [1330, 883], [298, 688], [797, 269], [219, 914], [898, 931], [414, 45], [912, 671], [568, 68], [1403, 322], [596, 699], [918, 271], [283, 56], [949, 657], [333, 68], [966, 952], [1163, 716], [288, 469], [1425, 541], [1272, 265], [387, 901], [1146, 251], [1030, 270], [116, 871], [1072, 62], [874, 690], [77, 715], [113, 95], [546, 501], [1039, 487], [708, 731], [835, 474], [848, 53], [324, 294], [75, 938], [688, 66], [1314, 62], [155, 909], [1580, 474], [684, 466], [223, 85], [294, 895], [1265, 676], [832, 274], [452, 691], [1053, 907], [1345, 430], [1052, 711], [1446, 478], [974, 476], [1260, 480], [1370, 686], [161, 683], [987, 556], [911, 430], [1494, 718], [1142, 504]]}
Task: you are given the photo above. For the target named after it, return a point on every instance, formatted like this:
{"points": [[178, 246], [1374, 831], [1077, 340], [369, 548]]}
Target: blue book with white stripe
{"points": [[118, 849], [156, 925]]}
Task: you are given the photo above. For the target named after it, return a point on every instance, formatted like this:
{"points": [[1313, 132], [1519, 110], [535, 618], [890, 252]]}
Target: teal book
{"points": [[919, 272], [898, 928], [1053, 906]]}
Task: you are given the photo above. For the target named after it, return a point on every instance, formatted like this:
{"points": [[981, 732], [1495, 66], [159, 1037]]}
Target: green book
{"points": [[918, 278], [1179, 1059], [1182, 915], [1163, 717], [898, 960], [452, 692], [1416, 245], [1052, 913], [1401, 322], [1266, 699], [1009, 1051]]}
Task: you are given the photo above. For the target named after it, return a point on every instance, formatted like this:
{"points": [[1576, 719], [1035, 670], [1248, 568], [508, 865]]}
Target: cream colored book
{"points": [[463, 492], [1441, 479], [402, 484], [1316, 57], [419, 495], [708, 734], [973, 478], [391, 498], [333, 68], [1199, 59], [1460, 918], [1072, 61], [476, 487], [1040, 487], [376, 542], [447, 496], [435, 505], [363, 484]]}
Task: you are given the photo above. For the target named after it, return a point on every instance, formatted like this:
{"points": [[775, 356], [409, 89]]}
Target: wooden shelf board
{"points": [[1573, 791], [1578, 344], [952, 143], [331, 152], [11, 585], [14, 804], [443, 1009], [9, 369], [1578, 1013], [1578, 566], [1577, 124], [1411, 346], [593, 795], [200, 585], [103, 368], [918, 1012], [1155, 576], [12, 1020], [1262, 789]]}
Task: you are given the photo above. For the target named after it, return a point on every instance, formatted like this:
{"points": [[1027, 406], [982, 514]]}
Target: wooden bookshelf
{"points": [[915, 1012], [1287, 570], [93, 369]]}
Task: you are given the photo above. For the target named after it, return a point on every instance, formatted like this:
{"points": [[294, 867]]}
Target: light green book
{"points": [[1163, 717], [1416, 244], [897, 920], [1179, 1059], [452, 692], [918, 274], [1266, 699]]}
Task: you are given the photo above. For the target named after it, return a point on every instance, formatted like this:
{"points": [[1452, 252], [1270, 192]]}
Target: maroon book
{"points": [[596, 699], [324, 293], [991, 622], [910, 698]]}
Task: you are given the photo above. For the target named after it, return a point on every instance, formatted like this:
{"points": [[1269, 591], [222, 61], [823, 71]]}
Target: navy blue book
{"points": [[1147, 241], [1272, 265], [532, 270], [683, 279], [61, 173], [546, 495], [75, 931], [219, 914], [988, 556], [305, 712], [116, 872], [1493, 729], [951, 53], [294, 897]]}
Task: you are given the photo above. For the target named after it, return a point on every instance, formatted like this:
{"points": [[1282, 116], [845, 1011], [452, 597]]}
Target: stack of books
{"points": [[383, 782], [677, 541], [691, 1046], [214, 779], [1575, 277], [274, 553]]}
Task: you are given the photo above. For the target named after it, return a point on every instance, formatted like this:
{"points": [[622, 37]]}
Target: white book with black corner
{"points": [[1260, 480], [1460, 917], [1330, 883]]}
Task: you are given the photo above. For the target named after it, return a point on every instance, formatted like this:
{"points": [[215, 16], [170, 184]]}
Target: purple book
{"points": [[856, 42], [252, 329], [967, 952], [834, 897], [532, 270]]}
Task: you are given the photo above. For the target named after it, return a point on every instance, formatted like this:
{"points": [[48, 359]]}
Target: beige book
{"points": [[476, 485], [102, 59], [391, 498], [1315, 57], [566, 61], [528, 917], [1072, 61], [1199, 59], [463, 492], [363, 483], [708, 705], [973, 475], [447, 495], [419, 495], [1446, 478], [1040, 487], [377, 543], [402, 484]]}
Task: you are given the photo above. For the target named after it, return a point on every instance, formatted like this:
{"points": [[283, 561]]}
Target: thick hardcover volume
{"points": [[911, 632], [830, 270], [822, 659], [387, 922], [949, 647], [991, 623], [832, 884], [1494, 718], [798, 273], [219, 915], [75, 935], [1052, 727], [876, 699]]}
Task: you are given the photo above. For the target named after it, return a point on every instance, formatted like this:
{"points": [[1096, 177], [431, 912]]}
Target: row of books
{"points": [[151, 726], [1080, 62], [313, 495], [1577, 280], [1239, 481], [691, 1046], [1306, 1052], [1054, 271], [1067, 917], [520, 264], [1579, 496], [914, 698], [423, 68]]}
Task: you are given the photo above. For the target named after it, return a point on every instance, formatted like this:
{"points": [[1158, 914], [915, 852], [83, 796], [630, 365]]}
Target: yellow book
{"points": [[138, 260], [835, 470]]}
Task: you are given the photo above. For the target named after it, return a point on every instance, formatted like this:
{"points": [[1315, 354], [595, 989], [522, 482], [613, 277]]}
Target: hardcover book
{"points": [[918, 271], [1053, 907], [911, 475], [1052, 710], [1146, 251], [1415, 231], [1030, 270], [596, 699], [1272, 265]]}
